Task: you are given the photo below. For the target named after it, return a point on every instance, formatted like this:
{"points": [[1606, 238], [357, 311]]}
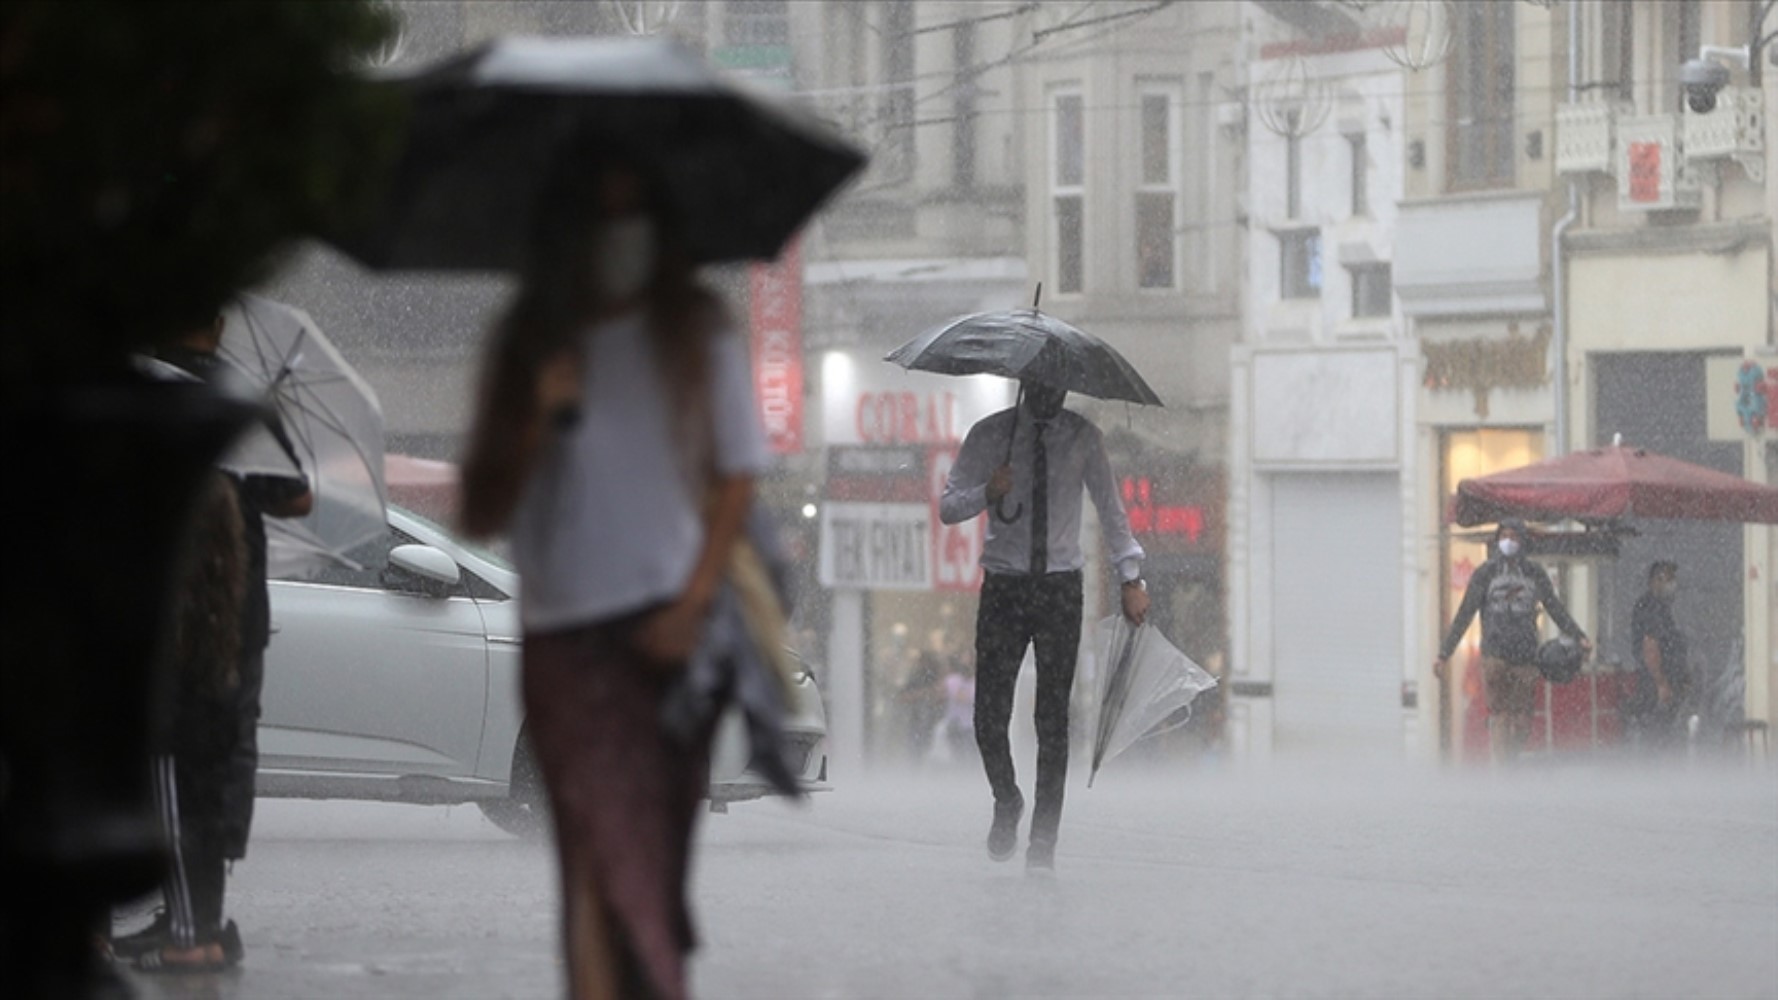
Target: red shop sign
{"points": [[777, 329], [1150, 518]]}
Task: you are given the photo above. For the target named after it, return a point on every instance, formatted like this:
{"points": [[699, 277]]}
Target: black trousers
{"points": [[197, 876], [243, 765], [1018, 611]]}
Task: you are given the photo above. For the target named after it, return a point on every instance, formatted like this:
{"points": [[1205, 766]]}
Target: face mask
{"points": [[1509, 547], [623, 256]]}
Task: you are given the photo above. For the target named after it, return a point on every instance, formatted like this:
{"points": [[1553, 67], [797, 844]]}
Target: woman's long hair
{"points": [[555, 301]]}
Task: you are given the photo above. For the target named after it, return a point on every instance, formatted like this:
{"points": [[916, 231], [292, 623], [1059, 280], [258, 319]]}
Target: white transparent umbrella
{"points": [[1148, 683], [331, 422]]}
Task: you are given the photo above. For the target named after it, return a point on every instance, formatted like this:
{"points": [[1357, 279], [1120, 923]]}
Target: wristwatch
{"points": [[1138, 583]]}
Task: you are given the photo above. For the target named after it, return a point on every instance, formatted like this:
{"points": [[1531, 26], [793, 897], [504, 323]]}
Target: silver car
{"points": [[399, 681]]}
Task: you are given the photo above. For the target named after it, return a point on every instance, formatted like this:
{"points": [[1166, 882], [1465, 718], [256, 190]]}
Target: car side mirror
{"points": [[433, 568]]}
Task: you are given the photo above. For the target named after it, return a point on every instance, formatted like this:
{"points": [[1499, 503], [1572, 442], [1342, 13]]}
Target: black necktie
{"points": [[1040, 503]]}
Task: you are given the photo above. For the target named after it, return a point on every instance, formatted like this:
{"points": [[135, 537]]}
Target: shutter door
{"points": [[1336, 607]]}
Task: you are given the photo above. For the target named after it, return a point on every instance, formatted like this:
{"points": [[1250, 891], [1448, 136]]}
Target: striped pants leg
{"points": [[195, 877]]}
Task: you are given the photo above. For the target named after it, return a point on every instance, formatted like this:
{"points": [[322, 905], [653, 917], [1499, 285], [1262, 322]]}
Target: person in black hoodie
{"points": [[1663, 679], [195, 735], [257, 497], [1507, 590]]}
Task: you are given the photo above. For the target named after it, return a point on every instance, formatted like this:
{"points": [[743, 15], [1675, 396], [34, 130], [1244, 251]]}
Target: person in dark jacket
{"points": [[258, 497], [262, 496], [195, 735], [1663, 678], [1507, 591]]}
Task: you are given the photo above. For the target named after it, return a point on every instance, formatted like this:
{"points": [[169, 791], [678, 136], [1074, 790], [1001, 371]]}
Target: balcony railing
{"points": [[1662, 160]]}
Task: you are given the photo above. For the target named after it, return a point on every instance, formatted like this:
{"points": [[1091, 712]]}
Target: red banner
{"points": [[777, 332], [1645, 171]]}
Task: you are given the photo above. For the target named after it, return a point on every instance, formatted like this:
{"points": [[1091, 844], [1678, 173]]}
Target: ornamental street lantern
{"points": [[1419, 32], [1289, 102]]}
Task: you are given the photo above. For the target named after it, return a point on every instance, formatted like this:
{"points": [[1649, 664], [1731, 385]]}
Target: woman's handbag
{"points": [[759, 576], [743, 660]]}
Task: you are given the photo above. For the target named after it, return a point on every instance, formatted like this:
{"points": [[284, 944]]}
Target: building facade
{"points": [[1324, 385], [1134, 165], [1578, 255], [1014, 145], [1602, 254], [932, 230], [1668, 269]]}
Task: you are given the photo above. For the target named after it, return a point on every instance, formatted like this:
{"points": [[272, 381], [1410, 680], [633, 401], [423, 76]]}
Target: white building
{"points": [[1133, 164], [1322, 471]]}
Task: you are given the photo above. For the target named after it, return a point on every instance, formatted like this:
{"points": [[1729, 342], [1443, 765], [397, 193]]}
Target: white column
{"points": [[845, 680], [1250, 730]]}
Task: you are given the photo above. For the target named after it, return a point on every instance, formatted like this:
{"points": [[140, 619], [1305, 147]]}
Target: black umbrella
{"points": [[1026, 344], [740, 171]]}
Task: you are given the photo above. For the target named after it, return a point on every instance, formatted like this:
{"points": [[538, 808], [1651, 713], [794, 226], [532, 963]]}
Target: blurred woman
{"points": [[616, 441]]}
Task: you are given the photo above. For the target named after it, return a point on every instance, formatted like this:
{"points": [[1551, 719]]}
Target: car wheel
{"points": [[525, 810]]}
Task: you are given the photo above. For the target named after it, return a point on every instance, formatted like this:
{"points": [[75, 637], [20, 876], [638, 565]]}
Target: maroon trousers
{"points": [[625, 796]]}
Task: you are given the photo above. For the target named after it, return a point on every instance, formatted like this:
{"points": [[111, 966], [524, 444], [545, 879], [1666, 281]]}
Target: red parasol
{"points": [[1611, 483]]}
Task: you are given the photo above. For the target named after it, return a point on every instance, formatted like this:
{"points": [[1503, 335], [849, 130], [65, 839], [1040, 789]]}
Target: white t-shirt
{"points": [[608, 523]]}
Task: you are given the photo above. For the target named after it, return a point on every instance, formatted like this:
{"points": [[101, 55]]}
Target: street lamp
{"points": [[1291, 103], [1425, 27]]}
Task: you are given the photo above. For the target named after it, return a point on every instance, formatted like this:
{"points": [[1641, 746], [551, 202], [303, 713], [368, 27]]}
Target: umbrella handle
{"points": [[1005, 518]]}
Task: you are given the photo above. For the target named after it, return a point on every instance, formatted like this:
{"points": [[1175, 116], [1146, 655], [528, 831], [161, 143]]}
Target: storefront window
{"points": [[1466, 454], [915, 712]]}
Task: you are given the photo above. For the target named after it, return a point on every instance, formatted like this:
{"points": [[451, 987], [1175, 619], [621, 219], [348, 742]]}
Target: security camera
{"points": [[1703, 79]]}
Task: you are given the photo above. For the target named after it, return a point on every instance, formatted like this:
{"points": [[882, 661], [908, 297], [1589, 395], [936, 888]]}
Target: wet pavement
{"points": [[1571, 881]]}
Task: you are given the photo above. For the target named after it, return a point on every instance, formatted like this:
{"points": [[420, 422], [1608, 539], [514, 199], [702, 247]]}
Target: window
{"points": [[1372, 290], [1070, 232], [1361, 174], [1205, 207], [963, 107], [897, 109], [1480, 90], [1617, 50], [1157, 192], [1679, 42], [756, 22], [1301, 263], [371, 559], [1067, 188]]}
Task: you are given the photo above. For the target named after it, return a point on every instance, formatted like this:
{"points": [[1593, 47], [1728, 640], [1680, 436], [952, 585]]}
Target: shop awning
{"points": [[1615, 483]]}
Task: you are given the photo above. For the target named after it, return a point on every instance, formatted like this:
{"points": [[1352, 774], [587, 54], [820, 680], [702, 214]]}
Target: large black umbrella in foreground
{"points": [[740, 171]]}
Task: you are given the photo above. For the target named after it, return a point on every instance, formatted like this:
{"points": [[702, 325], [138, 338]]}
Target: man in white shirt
{"points": [[1027, 467]]}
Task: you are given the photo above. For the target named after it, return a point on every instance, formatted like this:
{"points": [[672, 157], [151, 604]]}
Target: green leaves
{"points": [[155, 156]]}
